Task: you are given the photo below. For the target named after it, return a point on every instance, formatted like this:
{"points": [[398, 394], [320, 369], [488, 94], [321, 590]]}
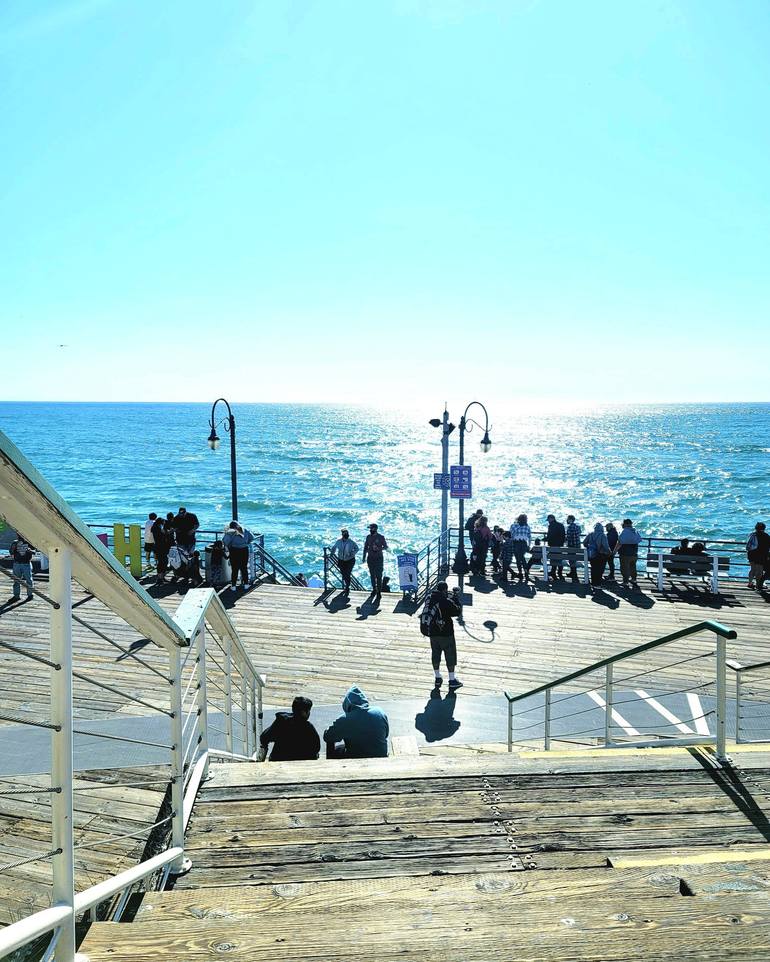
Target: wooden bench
{"points": [[556, 557], [699, 567]]}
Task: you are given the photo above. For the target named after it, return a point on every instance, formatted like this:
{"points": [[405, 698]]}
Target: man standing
{"points": [[573, 533], [185, 525], [161, 543], [627, 550], [374, 546], [555, 536], [294, 737], [21, 554], [149, 537], [436, 622], [612, 541], [757, 553], [470, 524], [345, 551]]}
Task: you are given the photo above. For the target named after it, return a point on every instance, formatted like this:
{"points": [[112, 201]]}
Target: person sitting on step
{"points": [[362, 728], [294, 737]]}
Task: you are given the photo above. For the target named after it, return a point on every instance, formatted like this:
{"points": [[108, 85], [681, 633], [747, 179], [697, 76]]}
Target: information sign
{"points": [[460, 485], [407, 572], [441, 481]]}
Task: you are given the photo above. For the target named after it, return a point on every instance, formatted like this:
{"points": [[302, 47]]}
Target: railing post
{"points": [[259, 712], [244, 713], [547, 720], [63, 892], [326, 570], [660, 571], [229, 694], [253, 686], [177, 760], [721, 668], [608, 706], [586, 568], [715, 576], [545, 562], [510, 725], [202, 697], [738, 693], [427, 570]]}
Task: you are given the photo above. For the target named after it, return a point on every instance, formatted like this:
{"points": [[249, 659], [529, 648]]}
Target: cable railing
{"points": [[599, 712], [752, 701], [157, 703]]}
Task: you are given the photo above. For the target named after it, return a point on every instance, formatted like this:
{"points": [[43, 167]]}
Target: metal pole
{"points": [[444, 556], [244, 714], [547, 739], [177, 759], [203, 718], [461, 507], [229, 695], [738, 693], [510, 726], [233, 472], [254, 715], [259, 710], [608, 707], [721, 667], [63, 891]]}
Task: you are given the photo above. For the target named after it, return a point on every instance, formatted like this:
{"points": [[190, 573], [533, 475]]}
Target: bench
{"points": [[699, 567], [555, 557]]}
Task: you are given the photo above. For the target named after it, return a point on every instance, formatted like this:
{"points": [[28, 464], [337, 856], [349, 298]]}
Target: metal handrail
{"points": [[331, 563], [267, 559]]}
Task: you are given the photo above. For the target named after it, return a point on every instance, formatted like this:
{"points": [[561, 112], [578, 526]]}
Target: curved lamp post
{"points": [[460, 566], [229, 423]]}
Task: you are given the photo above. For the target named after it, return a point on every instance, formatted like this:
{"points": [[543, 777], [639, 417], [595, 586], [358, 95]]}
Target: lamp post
{"points": [[460, 566], [229, 423], [446, 429]]}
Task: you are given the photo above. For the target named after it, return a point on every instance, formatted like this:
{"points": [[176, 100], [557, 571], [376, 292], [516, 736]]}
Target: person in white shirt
{"points": [[149, 537], [345, 551]]}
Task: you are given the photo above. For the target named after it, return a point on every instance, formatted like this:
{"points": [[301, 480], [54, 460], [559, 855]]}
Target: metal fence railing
{"points": [[752, 701]]}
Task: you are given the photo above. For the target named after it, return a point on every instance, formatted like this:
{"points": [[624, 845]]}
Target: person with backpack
{"points": [[757, 554], [236, 543], [21, 555], [436, 623]]}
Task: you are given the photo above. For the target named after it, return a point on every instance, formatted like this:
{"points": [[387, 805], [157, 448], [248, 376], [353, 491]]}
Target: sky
{"points": [[381, 202]]}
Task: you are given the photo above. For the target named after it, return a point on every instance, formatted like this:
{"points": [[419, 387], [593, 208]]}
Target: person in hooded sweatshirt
{"points": [[293, 736], [362, 728]]}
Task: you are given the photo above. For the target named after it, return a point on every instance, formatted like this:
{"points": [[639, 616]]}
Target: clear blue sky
{"points": [[354, 201]]}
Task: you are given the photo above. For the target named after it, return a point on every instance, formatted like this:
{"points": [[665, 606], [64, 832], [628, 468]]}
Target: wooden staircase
{"points": [[484, 858]]}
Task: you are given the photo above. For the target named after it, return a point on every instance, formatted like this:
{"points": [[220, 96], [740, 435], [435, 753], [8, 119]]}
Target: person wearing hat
{"points": [[345, 551], [374, 546]]}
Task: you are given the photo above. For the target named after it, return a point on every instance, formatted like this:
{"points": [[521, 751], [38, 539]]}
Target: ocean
{"points": [[305, 470]]}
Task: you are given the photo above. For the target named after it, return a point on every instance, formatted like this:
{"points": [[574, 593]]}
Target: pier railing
{"points": [[185, 690], [752, 701], [596, 705]]}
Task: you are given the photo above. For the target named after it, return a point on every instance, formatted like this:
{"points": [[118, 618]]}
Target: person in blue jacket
{"points": [[362, 728]]}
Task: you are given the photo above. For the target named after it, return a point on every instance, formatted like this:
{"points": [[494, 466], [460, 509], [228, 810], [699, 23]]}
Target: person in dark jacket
{"points": [[293, 736], [160, 540], [374, 546], [21, 556], [555, 536], [758, 555], [442, 633], [363, 728], [612, 541], [185, 525]]}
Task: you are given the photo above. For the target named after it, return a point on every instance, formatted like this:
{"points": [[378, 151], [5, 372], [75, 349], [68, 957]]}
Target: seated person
{"points": [[683, 547], [536, 555], [293, 736], [680, 567], [362, 728]]}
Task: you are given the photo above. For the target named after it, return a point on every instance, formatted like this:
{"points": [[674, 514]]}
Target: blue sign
{"points": [[460, 485], [441, 481], [407, 572]]}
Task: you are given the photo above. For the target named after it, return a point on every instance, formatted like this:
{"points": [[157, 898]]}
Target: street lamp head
{"points": [[435, 422], [213, 440], [486, 444]]}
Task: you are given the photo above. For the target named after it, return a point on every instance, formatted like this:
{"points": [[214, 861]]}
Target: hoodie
{"points": [[364, 729]]}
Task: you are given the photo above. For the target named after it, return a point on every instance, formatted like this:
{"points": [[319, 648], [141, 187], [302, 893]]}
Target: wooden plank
{"points": [[680, 856]]}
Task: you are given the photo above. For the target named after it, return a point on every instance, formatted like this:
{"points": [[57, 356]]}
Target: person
{"points": [[293, 736], [315, 581], [758, 555], [470, 524], [374, 546], [386, 589], [149, 537], [506, 557], [612, 540], [683, 547], [217, 562], [573, 532], [194, 570], [345, 551], [555, 536], [482, 536], [521, 535], [161, 544], [363, 728], [535, 556], [627, 550], [437, 617], [598, 552], [678, 566], [170, 530], [302, 580], [185, 525], [21, 555], [236, 543], [497, 543]]}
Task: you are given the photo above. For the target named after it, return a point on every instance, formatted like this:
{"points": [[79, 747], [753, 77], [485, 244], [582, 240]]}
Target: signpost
{"points": [[460, 485], [407, 572]]}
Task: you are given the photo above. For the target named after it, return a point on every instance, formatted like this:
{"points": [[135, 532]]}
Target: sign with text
{"points": [[460, 485], [441, 481], [407, 572]]}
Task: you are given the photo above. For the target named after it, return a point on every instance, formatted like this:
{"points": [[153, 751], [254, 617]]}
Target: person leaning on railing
{"points": [[627, 550], [758, 555], [236, 543]]}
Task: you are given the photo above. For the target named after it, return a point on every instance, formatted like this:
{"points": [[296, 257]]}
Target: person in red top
{"points": [[374, 546]]}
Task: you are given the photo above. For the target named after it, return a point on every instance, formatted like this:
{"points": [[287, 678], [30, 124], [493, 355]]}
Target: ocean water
{"points": [[305, 470]]}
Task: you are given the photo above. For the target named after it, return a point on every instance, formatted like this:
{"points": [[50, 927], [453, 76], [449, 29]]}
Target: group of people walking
{"points": [[509, 546]]}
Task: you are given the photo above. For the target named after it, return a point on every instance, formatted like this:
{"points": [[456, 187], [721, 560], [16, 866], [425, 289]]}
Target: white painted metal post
{"points": [[547, 740], [229, 695], [738, 693], [660, 571], [721, 667], [63, 892], [177, 757], [510, 726], [586, 568], [244, 713], [255, 738], [545, 563], [259, 712], [608, 707], [715, 576], [202, 695]]}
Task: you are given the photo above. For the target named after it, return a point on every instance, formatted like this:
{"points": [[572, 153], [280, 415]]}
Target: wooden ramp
{"points": [[487, 858]]}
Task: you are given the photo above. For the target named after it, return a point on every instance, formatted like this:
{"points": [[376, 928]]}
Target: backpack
{"points": [[431, 619]]}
